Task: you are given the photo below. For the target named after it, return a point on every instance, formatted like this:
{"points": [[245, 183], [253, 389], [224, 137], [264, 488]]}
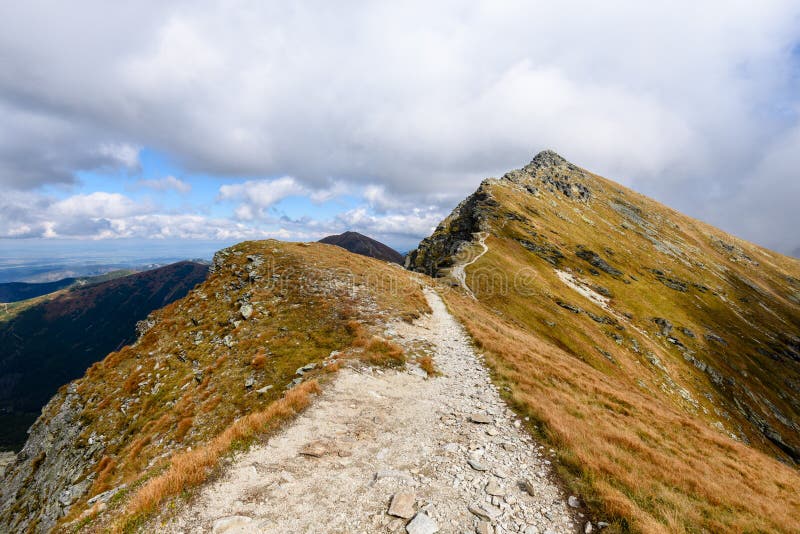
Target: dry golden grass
{"points": [[382, 352], [193, 467], [426, 363], [184, 425], [259, 361], [637, 461]]}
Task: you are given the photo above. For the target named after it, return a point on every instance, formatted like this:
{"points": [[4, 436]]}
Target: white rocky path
{"points": [[459, 271], [392, 451]]}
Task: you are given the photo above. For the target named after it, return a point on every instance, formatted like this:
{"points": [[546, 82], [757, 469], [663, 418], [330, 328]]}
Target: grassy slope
{"points": [[643, 433], [181, 385]]}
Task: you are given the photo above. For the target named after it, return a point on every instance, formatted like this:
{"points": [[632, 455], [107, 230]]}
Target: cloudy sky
{"points": [[233, 120]]}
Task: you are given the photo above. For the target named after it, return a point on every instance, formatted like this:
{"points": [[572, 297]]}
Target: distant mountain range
{"points": [[46, 344], [366, 246], [17, 291]]}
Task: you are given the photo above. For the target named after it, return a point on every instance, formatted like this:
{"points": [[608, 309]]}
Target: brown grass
{"points": [[637, 461], [259, 361], [193, 467], [184, 425], [378, 351], [426, 362]]}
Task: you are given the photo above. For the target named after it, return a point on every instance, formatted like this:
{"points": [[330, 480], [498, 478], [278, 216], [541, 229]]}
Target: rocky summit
{"points": [[561, 355]]}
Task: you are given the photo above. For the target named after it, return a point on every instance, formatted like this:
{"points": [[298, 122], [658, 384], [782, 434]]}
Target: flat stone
{"points": [[263, 390], [484, 511], [494, 489], [315, 449], [484, 527], [481, 419], [492, 431], [231, 524], [306, 368], [422, 524], [476, 465], [402, 505]]}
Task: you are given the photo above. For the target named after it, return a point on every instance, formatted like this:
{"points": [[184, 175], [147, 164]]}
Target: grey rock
{"points": [[485, 511], [568, 306], [476, 465], [484, 527], [422, 524], [306, 368], [44, 474], [246, 310], [106, 495], [594, 259], [574, 502], [481, 419], [265, 389], [294, 383], [711, 336], [249, 382], [664, 324]]}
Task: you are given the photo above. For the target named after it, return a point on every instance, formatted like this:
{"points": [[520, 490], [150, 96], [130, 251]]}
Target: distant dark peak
{"points": [[548, 158], [366, 246]]}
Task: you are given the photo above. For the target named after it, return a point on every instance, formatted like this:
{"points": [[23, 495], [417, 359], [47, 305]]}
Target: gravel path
{"points": [[444, 452], [459, 271]]}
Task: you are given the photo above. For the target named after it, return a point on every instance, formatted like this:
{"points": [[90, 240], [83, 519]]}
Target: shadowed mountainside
{"points": [[47, 344]]}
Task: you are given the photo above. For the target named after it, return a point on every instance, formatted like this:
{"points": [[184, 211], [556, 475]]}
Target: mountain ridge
{"points": [[646, 298]]}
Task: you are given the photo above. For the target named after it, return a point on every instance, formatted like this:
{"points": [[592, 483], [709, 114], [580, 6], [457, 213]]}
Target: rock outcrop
{"points": [[52, 469]]}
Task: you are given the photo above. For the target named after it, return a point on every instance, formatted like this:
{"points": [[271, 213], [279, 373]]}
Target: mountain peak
{"points": [[548, 158], [364, 245]]}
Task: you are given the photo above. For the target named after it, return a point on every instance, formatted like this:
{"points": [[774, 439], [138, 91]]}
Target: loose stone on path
{"points": [[402, 505]]}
